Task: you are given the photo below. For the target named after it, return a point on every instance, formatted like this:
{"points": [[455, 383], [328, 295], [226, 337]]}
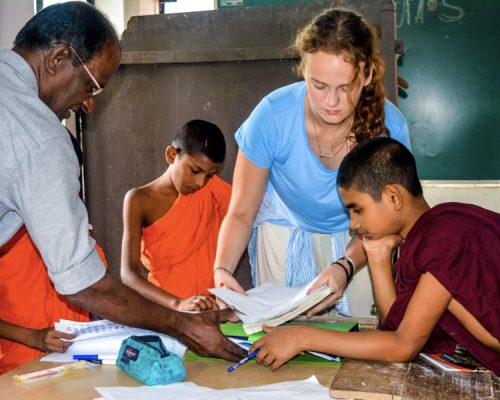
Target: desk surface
{"points": [[209, 373]]}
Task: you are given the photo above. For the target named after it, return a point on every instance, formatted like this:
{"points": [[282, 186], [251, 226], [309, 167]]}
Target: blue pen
{"points": [[243, 361], [87, 357], [95, 357]]}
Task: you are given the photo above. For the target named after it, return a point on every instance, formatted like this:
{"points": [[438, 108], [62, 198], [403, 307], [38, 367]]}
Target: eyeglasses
{"points": [[95, 90]]}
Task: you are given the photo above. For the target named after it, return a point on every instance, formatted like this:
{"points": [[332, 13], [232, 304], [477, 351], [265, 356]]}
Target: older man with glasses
{"points": [[62, 58]]}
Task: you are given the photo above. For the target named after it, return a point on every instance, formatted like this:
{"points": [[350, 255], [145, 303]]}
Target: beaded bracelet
{"points": [[344, 268], [351, 264], [225, 269]]}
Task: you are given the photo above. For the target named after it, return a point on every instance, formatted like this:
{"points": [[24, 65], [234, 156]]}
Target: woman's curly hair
{"points": [[343, 32]]}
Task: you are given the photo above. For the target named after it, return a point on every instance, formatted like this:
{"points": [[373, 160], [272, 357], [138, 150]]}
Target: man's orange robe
{"points": [[28, 297], [179, 248]]}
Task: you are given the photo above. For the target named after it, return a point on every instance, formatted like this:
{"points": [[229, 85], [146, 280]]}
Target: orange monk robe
{"points": [[179, 248], [28, 297]]}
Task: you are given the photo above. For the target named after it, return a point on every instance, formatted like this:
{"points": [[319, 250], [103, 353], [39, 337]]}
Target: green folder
{"points": [[236, 330]]}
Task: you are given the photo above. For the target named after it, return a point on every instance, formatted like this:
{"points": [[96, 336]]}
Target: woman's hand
{"points": [[278, 346], [336, 279], [223, 279], [197, 303], [49, 339]]}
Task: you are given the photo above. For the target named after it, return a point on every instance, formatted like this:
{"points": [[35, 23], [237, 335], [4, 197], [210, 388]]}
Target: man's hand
{"points": [[201, 333], [335, 278], [49, 339], [197, 303]]}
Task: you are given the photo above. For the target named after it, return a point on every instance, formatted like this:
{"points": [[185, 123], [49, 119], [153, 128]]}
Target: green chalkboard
{"points": [[452, 64]]}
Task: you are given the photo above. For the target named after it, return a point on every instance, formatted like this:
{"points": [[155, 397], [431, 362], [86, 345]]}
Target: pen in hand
{"points": [[243, 361]]}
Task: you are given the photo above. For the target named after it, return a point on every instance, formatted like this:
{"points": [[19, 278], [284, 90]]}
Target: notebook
{"points": [[238, 335]]}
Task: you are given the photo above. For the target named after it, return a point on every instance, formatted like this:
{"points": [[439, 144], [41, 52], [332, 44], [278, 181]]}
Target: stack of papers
{"points": [[270, 304], [103, 338], [294, 390]]}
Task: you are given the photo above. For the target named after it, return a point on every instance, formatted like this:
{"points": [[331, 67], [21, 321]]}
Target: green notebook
{"points": [[236, 330]]}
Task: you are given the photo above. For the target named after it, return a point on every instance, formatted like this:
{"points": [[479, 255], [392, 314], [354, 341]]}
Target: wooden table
{"points": [[376, 380], [359, 379], [208, 373]]}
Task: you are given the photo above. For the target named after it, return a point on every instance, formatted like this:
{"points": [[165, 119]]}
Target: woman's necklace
{"points": [[333, 146]]}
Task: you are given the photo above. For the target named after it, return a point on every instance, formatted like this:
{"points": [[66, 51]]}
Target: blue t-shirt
{"points": [[274, 136]]}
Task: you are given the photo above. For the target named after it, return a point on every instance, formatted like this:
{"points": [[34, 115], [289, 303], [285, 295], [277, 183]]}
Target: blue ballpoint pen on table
{"points": [[101, 359], [243, 361]]}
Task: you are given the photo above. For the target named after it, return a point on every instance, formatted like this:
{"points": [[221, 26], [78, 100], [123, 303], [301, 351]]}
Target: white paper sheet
{"points": [[104, 338], [263, 302], [90, 330], [309, 389]]}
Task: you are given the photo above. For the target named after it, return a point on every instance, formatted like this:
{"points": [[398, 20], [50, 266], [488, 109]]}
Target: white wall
{"points": [[114, 10], [13, 16], [15, 13], [485, 194], [139, 7], [180, 6]]}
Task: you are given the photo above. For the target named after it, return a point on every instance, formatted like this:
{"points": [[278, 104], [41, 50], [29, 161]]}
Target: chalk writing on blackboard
{"points": [[447, 12]]}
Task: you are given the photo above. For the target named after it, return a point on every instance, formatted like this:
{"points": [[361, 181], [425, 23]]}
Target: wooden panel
{"points": [[373, 380], [369, 380]]}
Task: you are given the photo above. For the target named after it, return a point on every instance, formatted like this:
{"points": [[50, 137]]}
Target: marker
{"points": [[243, 361]]}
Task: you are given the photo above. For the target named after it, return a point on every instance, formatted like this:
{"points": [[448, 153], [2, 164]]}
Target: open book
{"points": [[270, 304]]}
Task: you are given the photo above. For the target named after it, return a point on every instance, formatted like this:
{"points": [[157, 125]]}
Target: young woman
{"points": [[290, 148]]}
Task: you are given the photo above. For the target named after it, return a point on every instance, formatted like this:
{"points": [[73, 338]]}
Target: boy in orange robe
{"points": [[171, 224]]}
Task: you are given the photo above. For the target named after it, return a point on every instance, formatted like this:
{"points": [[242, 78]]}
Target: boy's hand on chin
{"points": [[381, 249]]}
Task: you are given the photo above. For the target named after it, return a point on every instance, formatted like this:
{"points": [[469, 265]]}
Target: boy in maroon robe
{"points": [[446, 289]]}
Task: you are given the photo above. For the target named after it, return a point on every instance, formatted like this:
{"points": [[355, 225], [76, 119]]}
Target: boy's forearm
{"points": [[384, 288], [17, 333], [150, 291], [367, 345]]}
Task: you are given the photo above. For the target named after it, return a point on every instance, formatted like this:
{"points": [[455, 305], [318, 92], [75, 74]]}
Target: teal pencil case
{"points": [[146, 359]]}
